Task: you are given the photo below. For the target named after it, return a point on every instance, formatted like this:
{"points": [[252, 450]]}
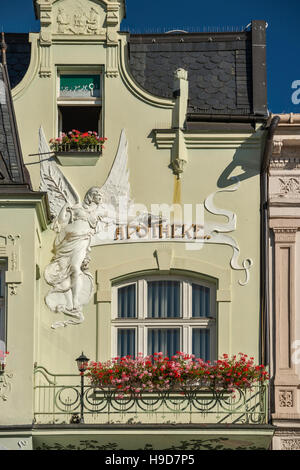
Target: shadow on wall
{"points": [[248, 158]]}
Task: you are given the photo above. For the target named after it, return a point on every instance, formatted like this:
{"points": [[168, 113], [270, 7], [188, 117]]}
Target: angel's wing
{"points": [[117, 183], [53, 181]]}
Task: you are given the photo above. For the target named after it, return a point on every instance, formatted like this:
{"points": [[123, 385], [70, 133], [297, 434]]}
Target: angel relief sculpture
{"points": [[75, 223]]}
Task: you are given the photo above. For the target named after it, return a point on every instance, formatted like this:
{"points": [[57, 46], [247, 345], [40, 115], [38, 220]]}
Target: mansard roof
{"points": [[13, 174], [226, 71], [17, 56]]}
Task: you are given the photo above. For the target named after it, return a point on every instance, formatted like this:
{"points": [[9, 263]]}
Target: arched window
{"points": [[164, 314]]}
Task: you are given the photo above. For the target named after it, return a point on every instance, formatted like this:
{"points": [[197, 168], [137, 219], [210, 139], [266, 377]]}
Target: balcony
{"points": [[57, 401], [191, 419]]}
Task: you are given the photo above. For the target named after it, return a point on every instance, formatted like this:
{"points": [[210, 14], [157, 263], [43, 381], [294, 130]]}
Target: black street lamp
{"points": [[82, 364]]}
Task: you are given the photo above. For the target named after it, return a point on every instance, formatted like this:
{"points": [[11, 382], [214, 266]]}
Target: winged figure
{"points": [[75, 224]]}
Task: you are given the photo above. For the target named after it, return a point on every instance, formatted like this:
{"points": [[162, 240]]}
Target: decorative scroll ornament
{"points": [[216, 232]]}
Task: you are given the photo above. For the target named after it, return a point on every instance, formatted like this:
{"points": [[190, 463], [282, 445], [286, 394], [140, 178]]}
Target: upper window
{"points": [[164, 315], [79, 100]]}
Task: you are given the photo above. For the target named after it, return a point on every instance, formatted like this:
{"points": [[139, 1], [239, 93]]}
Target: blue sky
{"points": [[283, 39]]}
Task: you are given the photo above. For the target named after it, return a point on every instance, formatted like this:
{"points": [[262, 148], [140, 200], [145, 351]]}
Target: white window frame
{"points": [[141, 323], [84, 101]]}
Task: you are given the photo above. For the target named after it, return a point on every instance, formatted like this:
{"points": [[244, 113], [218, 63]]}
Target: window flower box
{"points": [[78, 149], [181, 374]]}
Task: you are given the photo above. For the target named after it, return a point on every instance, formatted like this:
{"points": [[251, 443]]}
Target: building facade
{"points": [[151, 245], [284, 301]]}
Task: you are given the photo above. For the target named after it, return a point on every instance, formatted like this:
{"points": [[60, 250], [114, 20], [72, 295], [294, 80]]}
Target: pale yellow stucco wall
{"points": [[30, 337]]}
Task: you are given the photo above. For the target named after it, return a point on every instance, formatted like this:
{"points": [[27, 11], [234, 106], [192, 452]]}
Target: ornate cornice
{"points": [[286, 163], [285, 234]]}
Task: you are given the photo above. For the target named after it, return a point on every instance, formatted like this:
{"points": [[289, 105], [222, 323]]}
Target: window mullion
{"points": [[185, 339], [185, 300]]}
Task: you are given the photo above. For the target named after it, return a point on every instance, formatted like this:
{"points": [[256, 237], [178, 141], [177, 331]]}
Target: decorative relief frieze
{"points": [[289, 187], [5, 385], [286, 399], [284, 163], [285, 234], [79, 21], [290, 444]]}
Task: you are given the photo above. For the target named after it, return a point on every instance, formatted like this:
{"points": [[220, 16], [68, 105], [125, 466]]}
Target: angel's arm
{"points": [[65, 215]]}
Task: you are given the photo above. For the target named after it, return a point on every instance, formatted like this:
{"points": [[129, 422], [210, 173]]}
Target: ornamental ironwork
{"points": [[57, 400]]}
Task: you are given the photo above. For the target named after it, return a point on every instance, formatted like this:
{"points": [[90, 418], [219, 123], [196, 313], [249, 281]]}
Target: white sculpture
{"points": [[80, 225], [75, 224]]}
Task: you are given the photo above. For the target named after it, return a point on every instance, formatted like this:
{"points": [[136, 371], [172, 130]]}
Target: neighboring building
{"points": [[185, 114], [284, 221]]}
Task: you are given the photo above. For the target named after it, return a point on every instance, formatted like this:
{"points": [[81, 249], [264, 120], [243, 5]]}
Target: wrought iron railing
{"points": [[57, 400]]}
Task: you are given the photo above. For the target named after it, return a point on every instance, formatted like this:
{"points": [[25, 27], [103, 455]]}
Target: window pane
{"points": [[164, 299], [201, 301], [126, 342], [201, 343], [80, 86], [127, 302], [163, 340], [81, 118]]}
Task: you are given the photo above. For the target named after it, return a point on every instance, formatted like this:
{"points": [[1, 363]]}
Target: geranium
{"points": [[76, 140], [3, 355], [158, 373]]}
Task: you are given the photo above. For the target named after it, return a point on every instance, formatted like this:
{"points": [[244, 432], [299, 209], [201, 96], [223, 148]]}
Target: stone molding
{"points": [[10, 249], [286, 378], [164, 256], [285, 234], [80, 21]]}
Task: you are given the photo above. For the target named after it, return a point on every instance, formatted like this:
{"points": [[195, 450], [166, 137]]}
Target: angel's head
{"points": [[94, 194]]}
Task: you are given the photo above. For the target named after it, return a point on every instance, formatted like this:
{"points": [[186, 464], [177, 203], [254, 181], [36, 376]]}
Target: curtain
{"points": [[200, 301], [127, 301], [201, 343], [164, 299], [126, 342], [164, 340]]}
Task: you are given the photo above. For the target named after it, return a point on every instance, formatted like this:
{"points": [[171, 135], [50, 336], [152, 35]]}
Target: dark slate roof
{"points": [[219, 65], [13, 174], [17, 56]]}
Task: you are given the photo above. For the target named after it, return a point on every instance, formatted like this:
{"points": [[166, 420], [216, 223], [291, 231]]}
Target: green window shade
{"points": [[77, 86]]}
